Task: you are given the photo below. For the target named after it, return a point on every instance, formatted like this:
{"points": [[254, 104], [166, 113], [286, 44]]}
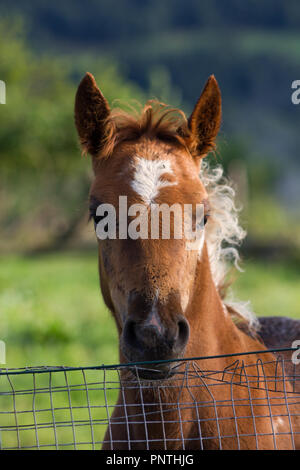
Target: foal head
{"points": [[152, 159]]}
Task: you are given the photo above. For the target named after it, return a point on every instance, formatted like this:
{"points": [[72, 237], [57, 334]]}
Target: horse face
{"points": [[147, 281]]}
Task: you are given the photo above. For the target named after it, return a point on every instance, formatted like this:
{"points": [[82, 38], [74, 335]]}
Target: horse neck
{"points": [[212, 330], [209, 320]]}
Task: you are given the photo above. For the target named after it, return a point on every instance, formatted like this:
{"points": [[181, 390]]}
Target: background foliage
{"points": [[50, 306]]}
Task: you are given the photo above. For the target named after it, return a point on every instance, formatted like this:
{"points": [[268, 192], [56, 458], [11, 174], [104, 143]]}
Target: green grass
{"points": [[52, 314], [272, 288]]}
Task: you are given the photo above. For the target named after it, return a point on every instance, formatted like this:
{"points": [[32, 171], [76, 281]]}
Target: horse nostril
{"points": [[183, 333], [139, 336], [129, 333], [147, 341]]}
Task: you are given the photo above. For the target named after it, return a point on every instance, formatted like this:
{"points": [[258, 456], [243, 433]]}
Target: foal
{"points": [[167, 299]]}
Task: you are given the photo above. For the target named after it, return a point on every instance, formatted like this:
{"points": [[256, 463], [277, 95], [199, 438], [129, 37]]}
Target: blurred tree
{"points": [[42, 175], [168, 50], [161, 87]]}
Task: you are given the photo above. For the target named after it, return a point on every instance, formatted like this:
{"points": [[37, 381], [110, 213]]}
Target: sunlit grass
{"points": [[52, 314], [272, 288]]}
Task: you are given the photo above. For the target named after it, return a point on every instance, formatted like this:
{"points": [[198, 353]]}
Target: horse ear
{"points": [[204, 122], [91, 110]]}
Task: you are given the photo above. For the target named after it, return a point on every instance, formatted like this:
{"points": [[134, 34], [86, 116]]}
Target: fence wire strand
{"points": [[242, 405]]}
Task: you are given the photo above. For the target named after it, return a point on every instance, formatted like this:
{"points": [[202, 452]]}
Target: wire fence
{"points": [[241, 405]]}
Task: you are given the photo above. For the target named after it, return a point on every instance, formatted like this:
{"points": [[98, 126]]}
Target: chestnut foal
{"points": [[166, 299]]}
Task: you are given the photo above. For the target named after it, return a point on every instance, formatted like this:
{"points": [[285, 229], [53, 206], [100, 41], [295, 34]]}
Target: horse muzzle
{"points": [[150, 340]]}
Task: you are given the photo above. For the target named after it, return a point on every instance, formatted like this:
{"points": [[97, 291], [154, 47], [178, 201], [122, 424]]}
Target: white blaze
{"points": [[147, 180]]}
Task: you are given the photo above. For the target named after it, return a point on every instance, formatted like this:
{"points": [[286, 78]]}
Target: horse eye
{"points": [[97, 218], [204, 221], [93, 212]]}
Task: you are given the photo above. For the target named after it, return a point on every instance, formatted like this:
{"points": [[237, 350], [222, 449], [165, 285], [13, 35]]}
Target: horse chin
{"points": [[153, 374]]}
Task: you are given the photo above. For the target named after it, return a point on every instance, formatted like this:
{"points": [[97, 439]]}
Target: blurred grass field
{"points": [[52, 312]]}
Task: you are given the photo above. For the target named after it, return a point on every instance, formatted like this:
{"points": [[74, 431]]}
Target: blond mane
{"points": [[224, 233]]}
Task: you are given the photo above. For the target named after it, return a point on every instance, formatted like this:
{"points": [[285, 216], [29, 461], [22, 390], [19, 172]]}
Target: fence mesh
{"points": [[199, 407]]}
